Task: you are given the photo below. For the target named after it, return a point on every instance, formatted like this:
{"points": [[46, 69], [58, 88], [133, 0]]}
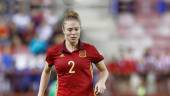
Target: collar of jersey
{"points": [[80, 47]]}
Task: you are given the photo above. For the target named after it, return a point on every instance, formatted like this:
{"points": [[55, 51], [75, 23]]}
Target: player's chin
{"points": [[73, 40]]}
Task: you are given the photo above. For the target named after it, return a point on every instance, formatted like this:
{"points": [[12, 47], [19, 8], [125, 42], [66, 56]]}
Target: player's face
{"points": [[71, 30]]}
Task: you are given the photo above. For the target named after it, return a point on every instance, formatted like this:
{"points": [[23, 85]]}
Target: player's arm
{"points": [[100, 85], [44, 80]]}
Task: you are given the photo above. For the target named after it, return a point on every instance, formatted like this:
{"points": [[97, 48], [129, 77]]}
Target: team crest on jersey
{"points": [[82, 53], [62, 55]]}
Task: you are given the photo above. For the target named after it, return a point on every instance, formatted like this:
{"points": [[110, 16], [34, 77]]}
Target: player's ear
{"points": [[63, 27]]}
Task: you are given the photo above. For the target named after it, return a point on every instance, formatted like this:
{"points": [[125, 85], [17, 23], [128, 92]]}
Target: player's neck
{"points": [[71, 46]]}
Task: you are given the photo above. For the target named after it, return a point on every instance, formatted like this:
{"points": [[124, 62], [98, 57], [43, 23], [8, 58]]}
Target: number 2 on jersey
{"points": [[72, 63]]}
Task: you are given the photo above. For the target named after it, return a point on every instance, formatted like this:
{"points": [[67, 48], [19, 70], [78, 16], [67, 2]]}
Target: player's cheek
{"points": [[68, 36]]}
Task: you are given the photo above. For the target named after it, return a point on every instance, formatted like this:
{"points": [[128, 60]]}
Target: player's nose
{"points": [[74, 32]]}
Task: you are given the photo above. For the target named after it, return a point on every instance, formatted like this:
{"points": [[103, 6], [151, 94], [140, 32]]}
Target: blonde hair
{"points": [[71, 15]]}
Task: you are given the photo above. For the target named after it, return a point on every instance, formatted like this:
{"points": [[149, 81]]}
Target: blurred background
{"points": [[133, 36]]}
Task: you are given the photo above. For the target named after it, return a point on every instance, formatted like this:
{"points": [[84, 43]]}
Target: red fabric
{"points": [[113, 67], [80, 82], [124, 67], [4, 31], [129, 66]]}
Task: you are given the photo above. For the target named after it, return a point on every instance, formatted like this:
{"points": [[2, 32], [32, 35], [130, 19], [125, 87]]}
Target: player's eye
{"points": [[69, 29], [76, 29]]}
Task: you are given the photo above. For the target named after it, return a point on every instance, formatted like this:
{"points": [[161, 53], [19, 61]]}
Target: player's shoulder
{"points": [[88, 45], [91, 49]]}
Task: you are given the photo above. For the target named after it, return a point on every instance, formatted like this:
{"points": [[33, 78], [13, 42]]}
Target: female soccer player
{"points": [[73, 63]]}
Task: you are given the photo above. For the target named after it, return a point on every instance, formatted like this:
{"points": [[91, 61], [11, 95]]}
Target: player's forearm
{"points": [[103, 71], [44, 82], [103, 76]]}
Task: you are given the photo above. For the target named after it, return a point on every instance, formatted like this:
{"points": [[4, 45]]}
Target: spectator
{"points": [[21, 18], [52, 89], [8, 59], [163, 6], [44, 31]]}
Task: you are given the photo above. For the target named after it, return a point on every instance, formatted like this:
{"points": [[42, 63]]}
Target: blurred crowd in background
{"points": [[27, 29], [142, 67]]}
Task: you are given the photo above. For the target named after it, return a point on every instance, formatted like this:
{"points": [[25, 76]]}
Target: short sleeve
{"points": [[94, 55], [49, 57]]}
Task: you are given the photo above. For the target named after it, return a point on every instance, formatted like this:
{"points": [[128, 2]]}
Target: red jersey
{"points": [[74, 69]]}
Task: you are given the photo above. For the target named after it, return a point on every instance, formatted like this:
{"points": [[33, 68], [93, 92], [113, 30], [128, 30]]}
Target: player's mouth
{"points": [[73, 38]]}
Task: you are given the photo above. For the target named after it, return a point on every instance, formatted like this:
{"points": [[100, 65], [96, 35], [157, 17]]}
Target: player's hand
{"points": [[100, 88]]}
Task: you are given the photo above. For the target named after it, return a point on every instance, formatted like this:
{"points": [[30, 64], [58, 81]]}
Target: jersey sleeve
{"points": [[49, 57], [94, 55]]}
